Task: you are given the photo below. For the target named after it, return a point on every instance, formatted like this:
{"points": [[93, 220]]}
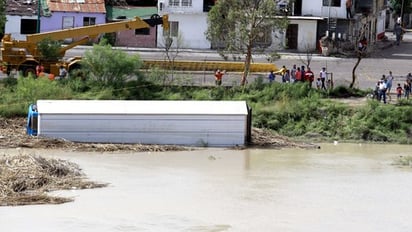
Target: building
{"points": [[188, 22], [62, 14], [30, 16], [309, 21], [22, 17], [145, 37], [332, 21]]}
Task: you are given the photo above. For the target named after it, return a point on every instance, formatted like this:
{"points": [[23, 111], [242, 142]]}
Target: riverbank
{"points": [[13, 135], [26, 178]]}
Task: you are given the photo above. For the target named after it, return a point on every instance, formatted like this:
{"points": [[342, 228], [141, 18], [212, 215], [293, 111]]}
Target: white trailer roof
{"points": [[141, 107]]}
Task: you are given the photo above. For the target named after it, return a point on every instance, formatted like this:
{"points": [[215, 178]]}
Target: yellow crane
{"points": [[24, 56]]}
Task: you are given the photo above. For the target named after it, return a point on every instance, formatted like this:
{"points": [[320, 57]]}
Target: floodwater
{"points": [[343, 187]]}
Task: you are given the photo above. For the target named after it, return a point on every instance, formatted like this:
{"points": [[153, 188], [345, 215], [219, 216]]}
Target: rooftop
{"points": [[117, 12], [84, 6], [30, 7], [21, 7]]}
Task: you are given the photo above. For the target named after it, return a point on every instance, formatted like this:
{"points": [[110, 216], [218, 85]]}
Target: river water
{"points": [[343, 187]]}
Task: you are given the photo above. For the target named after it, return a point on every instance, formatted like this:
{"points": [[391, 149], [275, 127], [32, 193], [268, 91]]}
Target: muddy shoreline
{"points": [[26, 179], [13, 135]]}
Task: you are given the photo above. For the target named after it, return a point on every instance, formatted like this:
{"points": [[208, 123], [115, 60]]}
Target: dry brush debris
{"points": [[13, 135], [25, 179]]}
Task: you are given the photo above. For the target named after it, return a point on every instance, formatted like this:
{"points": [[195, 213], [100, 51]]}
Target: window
{"points": [[142, 31], [186, 2], [173, 29], [28, 26], [335, 3], [174, 2], [68, 22], [207, 5], [87, 21], [263, 39]]}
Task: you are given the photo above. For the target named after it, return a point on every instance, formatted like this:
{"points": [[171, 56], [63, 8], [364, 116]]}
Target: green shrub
{"points": [[344, 92], [9, 82], [15, 100], [110, 67], [289, 109]]}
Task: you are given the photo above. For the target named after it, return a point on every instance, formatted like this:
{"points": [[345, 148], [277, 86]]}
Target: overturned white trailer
{"points": [[189, 123]]}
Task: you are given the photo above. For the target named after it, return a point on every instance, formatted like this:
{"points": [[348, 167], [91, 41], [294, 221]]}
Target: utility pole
{"points": [[403, 1], [38, 15], [329, 34]]}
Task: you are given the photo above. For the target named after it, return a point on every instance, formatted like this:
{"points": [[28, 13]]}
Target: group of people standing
{"points": [[384, 85], [407, 88], [41, 73], [300, 74]]}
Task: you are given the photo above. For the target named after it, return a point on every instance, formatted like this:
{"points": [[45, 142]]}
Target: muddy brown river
{"points": [[342, 187]]}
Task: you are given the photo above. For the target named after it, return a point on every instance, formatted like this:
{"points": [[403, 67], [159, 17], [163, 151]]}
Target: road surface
{"points": [[393, 58]]}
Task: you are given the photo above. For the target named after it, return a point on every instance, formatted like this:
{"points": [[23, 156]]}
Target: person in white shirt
{"points": [[389, 81], [323, 76], [62, 72], [382, 91]]}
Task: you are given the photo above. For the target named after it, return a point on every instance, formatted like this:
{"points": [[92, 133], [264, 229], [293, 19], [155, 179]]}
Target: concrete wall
{"points": [[307, 36], [13, 26], [192, 27], [380, 25], [128, 38], [315, 8]]}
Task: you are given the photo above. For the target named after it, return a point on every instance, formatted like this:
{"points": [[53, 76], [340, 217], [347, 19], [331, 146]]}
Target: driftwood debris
{"points": [[26, 179]]}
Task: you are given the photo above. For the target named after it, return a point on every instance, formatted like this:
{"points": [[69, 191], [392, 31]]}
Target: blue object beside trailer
{"points": [[32, 120]]}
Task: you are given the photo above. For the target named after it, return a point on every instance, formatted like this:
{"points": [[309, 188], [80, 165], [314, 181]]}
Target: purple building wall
{"points": [[55, 22]]}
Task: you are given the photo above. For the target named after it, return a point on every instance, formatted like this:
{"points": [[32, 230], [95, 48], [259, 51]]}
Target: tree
{"points": [[110, 67], [237, 24], [50, 49], [172, 47], [308, 56], [2, 15], [360, 52], [401, 6]]}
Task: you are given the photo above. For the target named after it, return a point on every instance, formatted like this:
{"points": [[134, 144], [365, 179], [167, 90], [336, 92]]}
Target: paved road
{"points": [[398, 59], [389, 57]]}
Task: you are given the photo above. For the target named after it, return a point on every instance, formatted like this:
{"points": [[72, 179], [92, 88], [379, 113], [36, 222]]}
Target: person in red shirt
{"points": [[399, 91], [298, 75], [218, 76], [309, 76], [39, 69]]}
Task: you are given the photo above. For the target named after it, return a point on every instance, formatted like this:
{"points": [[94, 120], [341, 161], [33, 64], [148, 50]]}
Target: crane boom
{"points": [[94, 30]]}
